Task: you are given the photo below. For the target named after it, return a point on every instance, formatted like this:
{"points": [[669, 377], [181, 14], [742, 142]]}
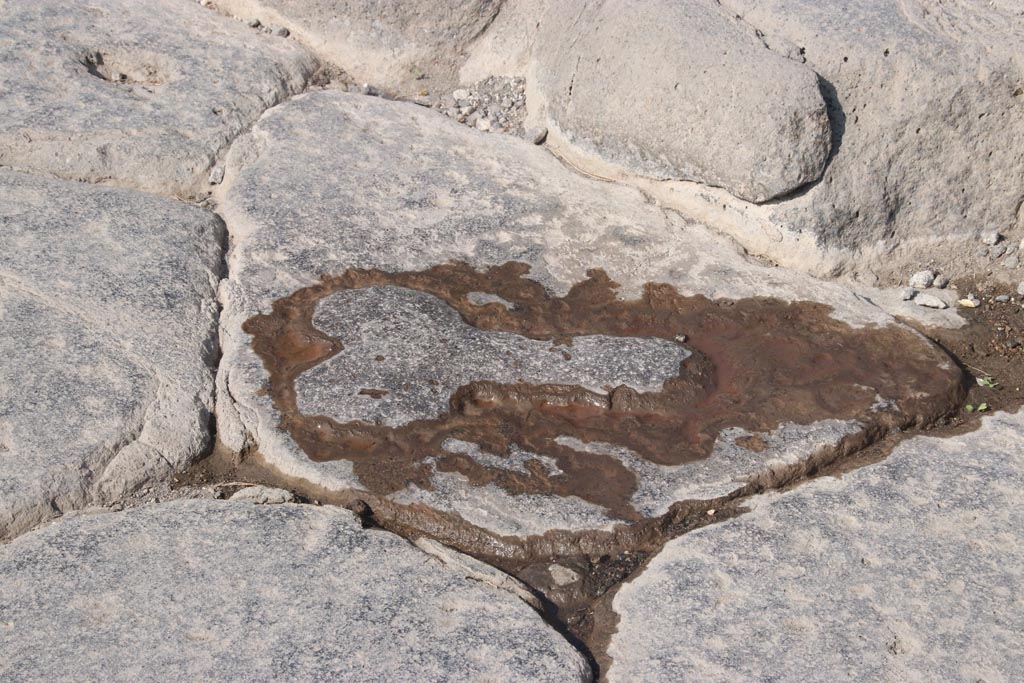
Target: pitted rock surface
{"points": [[141, 94], [108, 334], [910, 569], [235, 592], [404, 353]]}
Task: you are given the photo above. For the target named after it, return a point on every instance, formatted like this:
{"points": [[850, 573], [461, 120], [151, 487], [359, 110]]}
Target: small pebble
{"points": [[1003, 298], [460, 94], [941, 282], [1011, 261], [970, 302], [907, 293], [537, 135], [982, 251], [930, 301], [282, 32], [483, 124], [997, 251], [1015, 344], [922, 279], [254, 23], [217, 175], [991, 237], [563, 576], [1020, 289]]}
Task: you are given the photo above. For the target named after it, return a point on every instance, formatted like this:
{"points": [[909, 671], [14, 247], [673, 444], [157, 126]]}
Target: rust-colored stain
{"points": [[756, 363]]}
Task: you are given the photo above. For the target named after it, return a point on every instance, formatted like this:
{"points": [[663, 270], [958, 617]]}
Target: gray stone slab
{"points": [[908, 570], [107, 299], [138, 94], [332, 181], [426, 351], [230, 591], [927, 95], [679, 89], [410, 45]]}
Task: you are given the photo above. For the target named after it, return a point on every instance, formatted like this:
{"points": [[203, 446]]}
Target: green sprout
{"points": [[987, 382]]}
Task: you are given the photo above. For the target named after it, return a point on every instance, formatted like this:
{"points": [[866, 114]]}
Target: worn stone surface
{"points": [[108, 310], [226, 591], [408, 46], [679, 89], [431, 351], [139, 94], [263, 495], [928, 152], [906, 570], [401, 189]]}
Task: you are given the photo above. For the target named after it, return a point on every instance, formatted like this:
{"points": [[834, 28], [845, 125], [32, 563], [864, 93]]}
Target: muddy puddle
{"points": [[754, 364]]}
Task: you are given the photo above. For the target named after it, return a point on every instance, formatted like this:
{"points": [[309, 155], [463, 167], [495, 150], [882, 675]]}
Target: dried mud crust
{"points": [[755, 364]]}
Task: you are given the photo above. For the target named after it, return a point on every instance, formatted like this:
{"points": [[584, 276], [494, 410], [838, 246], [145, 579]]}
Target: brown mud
{"points": [[756, 363]]}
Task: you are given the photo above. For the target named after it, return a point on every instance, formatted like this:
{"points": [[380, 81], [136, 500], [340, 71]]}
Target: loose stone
{"points": [[941, 282], [922, 279], [908, 293], [263, 495], [930, 301], [563, 576], [1003, 298], [997, 251], [991, 238], [282, 32], [537, 135]]}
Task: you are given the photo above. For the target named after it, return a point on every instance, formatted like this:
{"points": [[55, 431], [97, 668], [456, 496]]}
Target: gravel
{"points": [[494, 104]]}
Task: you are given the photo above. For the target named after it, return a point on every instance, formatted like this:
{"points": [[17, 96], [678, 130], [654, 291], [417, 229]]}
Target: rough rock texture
{"points": [[422, 335], [400, 44], [108, 331], [263, 495], [680, 89], [929, 150], [908, 570], [333, 181], [138, 94], [204, 590]]}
